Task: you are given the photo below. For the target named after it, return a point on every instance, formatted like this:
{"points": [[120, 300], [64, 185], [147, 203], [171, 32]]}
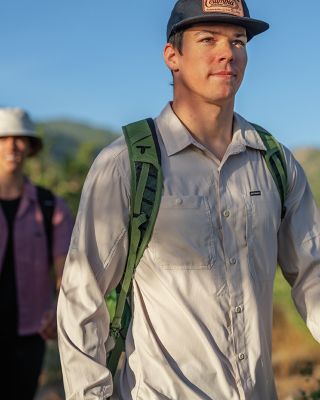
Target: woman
{"points": [[27, 298]]}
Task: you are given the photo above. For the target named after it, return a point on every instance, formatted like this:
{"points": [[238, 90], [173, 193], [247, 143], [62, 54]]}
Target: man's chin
{"points": [[222, 100]]}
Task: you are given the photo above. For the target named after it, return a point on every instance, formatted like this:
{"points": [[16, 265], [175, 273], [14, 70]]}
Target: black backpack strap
{"points": [[47, 203]]}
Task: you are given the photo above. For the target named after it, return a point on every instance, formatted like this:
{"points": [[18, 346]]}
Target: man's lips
{"points": [[224, 74]]}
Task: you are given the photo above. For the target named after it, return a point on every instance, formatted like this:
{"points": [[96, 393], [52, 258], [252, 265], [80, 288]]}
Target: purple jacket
{"points": [[35, 286]]}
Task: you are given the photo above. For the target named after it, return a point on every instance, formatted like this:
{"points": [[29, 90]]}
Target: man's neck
{"points": [[11, 187], [210, 124]]}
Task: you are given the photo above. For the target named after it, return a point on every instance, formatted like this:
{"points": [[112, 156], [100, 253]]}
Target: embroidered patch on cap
{"points": [[233, 7]]}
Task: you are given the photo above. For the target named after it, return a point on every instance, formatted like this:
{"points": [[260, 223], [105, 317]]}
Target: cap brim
{"points": [[253, 26]]}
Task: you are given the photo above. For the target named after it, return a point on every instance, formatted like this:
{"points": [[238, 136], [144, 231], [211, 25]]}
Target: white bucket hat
{"points": [[16, 122]]}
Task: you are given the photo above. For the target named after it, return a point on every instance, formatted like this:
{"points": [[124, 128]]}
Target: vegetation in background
{"points": [[69, 150], [309, 158]]}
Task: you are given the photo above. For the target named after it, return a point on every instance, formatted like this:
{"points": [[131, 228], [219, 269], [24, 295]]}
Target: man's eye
{"points": [[207, 40], [239, 43]]}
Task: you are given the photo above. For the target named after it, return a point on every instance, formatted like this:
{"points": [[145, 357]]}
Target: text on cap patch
{"points": [[233, 7]]}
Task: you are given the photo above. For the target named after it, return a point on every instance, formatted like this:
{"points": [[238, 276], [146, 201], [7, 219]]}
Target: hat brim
{"points": [[253, 26]]}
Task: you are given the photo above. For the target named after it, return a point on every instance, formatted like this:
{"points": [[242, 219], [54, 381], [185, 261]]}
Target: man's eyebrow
{"points": [[237, 35], [243, 35], [197, 33]]}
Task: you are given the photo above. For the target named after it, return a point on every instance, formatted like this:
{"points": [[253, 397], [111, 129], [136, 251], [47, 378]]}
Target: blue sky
{"points": [[100, 62]]}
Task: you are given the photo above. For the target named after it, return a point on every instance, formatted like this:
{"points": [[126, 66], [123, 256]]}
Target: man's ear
{"points": [[170, 55]]}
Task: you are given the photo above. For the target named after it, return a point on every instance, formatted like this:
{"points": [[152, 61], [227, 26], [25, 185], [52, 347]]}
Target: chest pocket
{"points": [[183, 234], [263, 219]]}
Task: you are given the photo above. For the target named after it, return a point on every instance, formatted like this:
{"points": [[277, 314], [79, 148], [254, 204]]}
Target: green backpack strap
{"points": [[275, 160], [146, 191]]}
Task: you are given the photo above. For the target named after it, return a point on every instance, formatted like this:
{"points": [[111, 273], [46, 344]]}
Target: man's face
{"points": [[212, 64], [13, 152]]}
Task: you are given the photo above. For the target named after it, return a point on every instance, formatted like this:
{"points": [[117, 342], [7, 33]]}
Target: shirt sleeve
{"points": [[299, 246], [94, 266]]}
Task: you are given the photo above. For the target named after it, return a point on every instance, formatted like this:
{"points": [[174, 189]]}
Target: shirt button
{"points": [[238, 309], [226, 213], [241, 356], [179, 202], [233, 261]]}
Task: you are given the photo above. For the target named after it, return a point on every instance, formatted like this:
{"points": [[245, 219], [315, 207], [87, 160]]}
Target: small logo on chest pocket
{"points": [[255, 193]]}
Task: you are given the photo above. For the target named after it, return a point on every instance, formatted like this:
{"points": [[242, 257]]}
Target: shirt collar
{"points": [[245, 134], [176, 136]]}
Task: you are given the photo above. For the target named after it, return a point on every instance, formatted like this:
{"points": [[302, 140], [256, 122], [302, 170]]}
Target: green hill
{"points": [[63, 138]]}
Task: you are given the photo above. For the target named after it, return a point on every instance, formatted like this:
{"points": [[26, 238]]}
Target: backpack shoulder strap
{"points": [[146, 191], [276, 163], [47, 203]]}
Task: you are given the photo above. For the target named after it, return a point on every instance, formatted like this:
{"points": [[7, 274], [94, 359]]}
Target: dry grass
{"points": [[296, 358]]}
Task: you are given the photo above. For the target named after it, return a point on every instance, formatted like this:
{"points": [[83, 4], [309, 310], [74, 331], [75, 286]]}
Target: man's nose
{"points": [[226, 52]]}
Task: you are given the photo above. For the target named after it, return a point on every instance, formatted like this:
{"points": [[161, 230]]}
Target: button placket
{"points": [[228, 212]]}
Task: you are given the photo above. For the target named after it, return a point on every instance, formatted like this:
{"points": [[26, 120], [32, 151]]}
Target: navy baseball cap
{"points": [[189, 12]]}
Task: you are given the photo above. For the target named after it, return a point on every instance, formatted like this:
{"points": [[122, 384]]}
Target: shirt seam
{"points": [[109, 258], [122, 173]]}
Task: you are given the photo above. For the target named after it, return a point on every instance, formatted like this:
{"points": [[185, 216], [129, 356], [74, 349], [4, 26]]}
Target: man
{"points": [[27, 292], [202, 292]]}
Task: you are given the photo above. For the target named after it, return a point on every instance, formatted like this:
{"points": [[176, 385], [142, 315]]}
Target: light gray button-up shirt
{"points": [[202, 293]]}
